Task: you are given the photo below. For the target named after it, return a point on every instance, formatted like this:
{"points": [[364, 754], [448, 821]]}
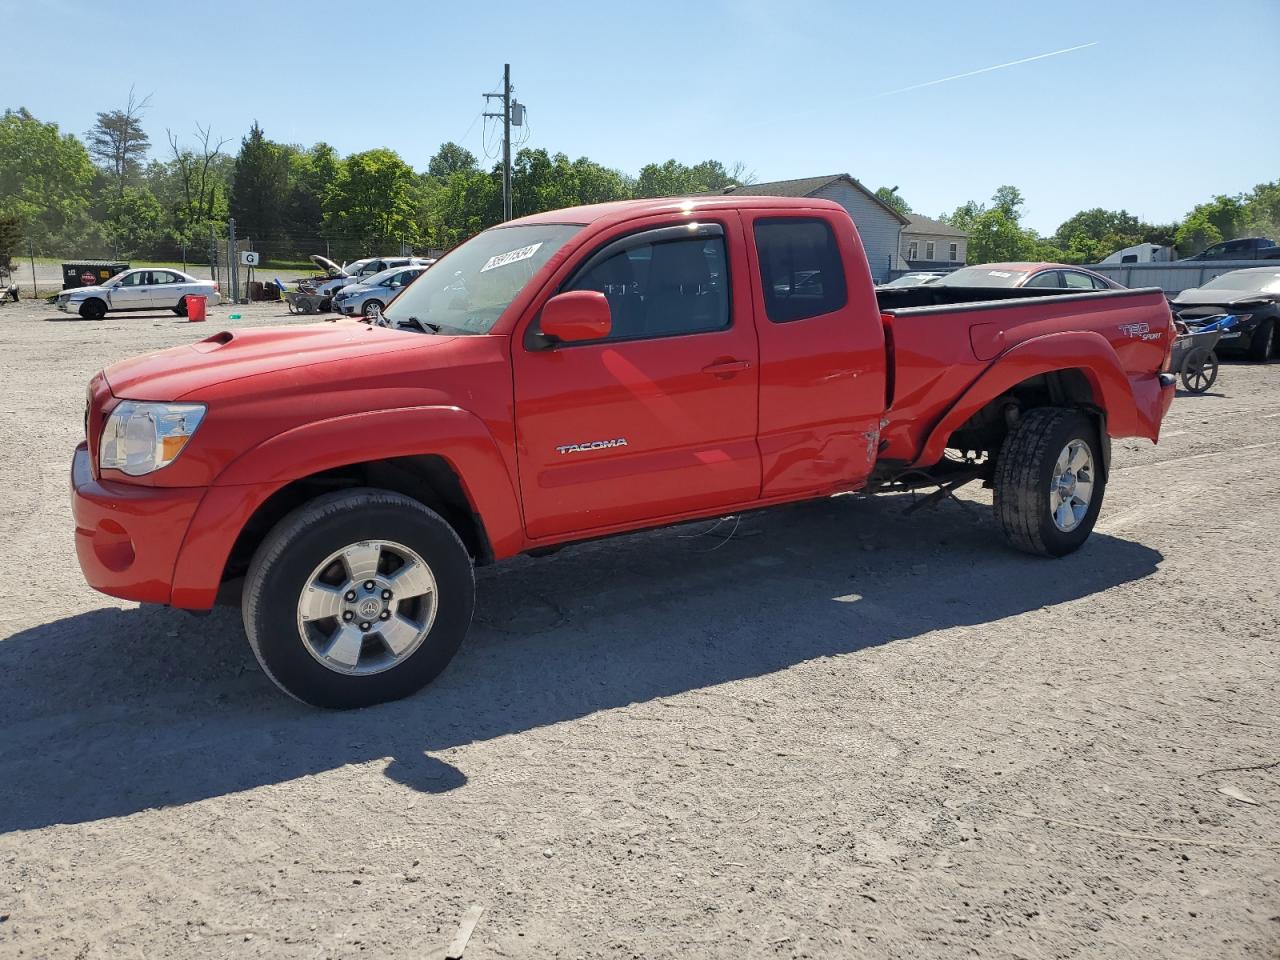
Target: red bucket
{"points": [[195, 308]]}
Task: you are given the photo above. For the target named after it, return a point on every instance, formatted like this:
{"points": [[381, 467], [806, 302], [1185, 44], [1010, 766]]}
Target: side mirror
{"points": [[576, 316]]}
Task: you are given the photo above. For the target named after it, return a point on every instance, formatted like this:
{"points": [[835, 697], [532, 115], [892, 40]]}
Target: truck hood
{"points": [[183, 372]]}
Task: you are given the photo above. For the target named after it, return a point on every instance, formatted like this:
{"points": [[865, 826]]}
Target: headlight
{"points": [[143, 437]]}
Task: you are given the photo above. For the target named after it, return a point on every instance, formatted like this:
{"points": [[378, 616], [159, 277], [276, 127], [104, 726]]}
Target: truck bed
{"points": [[930, 327]]}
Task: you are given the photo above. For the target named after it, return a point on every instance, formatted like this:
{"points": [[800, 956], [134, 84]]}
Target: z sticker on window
{"points": [[515, 256]]}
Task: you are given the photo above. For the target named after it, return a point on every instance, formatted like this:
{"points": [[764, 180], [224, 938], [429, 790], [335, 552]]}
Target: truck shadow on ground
{"points": [[116, 711]]}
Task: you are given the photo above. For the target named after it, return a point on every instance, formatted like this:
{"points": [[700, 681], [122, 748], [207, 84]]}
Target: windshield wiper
{"points": [[425, 326]]}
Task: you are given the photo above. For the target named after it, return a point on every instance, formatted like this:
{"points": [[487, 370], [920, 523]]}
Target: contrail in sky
{"points": [[974, 73]]}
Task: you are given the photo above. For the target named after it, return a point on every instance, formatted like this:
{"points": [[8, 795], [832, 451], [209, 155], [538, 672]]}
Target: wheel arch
{"points": [[443, 457], [1078, 370]]}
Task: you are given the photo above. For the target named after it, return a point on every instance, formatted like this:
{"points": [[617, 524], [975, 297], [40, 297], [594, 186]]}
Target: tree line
{"points": [[108, 195]]}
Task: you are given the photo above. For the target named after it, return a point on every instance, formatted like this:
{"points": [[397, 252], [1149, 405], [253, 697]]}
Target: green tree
{"points": [[311, 172], [45, 178], [1197, 232], [890, 196], [259, 186], [674, 179], [202, 176], [134, 222], [10, 238], [372, 201], [118, 142], [450, 159]]}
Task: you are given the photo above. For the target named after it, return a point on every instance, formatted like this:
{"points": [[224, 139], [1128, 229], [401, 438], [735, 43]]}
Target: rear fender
{"points": [[455, 435], [1131, 407]]}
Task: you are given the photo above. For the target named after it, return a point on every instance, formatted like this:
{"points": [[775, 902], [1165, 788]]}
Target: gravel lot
{"points": [[843, 732]]}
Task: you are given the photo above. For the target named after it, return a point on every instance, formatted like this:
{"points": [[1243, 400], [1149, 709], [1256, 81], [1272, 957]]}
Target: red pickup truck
{"points": [[575, 374]]}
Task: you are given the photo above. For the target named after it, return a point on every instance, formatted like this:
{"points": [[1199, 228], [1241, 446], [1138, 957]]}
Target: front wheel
{"points": [[1049, 481], [1262, 343], [358, 597], [93, 309], [372, 308], [181, 308]]}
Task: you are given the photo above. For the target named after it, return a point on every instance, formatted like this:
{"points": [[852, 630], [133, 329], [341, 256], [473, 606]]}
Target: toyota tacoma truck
{"points": [[572, 375]]}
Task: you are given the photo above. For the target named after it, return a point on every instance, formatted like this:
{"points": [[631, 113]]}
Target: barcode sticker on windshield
{"points": [[515, 256], [999, 273]]}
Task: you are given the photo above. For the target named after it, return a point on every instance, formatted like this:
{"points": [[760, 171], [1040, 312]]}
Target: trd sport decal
{"points": [[591, 445]]}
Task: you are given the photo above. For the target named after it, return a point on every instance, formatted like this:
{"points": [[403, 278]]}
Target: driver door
{"points": [[659, 418], [133, 292]]}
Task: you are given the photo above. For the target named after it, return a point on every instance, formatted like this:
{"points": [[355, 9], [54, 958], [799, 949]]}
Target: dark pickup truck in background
{"points": [[1244, 248]]}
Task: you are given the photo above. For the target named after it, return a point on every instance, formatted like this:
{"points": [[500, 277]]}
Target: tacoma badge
{"points": [[591, 445]]}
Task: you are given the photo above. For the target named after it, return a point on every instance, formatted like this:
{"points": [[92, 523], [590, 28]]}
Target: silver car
{"points": [[370, 297], [148, 288], [358, 271]]}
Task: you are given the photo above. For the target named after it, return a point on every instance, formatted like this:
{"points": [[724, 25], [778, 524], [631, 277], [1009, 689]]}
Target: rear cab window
{"points": [[801, 271]]}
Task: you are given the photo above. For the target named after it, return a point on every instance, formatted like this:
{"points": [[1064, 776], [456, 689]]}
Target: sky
{"points": [[1149, 107]]}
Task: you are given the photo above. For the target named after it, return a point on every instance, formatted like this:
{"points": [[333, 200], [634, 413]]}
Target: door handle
{"points": [[726, 368]]}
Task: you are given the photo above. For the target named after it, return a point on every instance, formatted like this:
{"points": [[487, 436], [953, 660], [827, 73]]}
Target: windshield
{"points": [[467, 290], [1262, 281], [982, 277]]}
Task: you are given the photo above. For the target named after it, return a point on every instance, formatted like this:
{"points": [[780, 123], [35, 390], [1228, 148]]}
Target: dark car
{"points": [[1245, 248], [1252, 295]]}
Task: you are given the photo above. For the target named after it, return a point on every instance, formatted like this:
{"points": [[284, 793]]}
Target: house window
{"points": [[953, 252], [913, 250], [928, 250]]}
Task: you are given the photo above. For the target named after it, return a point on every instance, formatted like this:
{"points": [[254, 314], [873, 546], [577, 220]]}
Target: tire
{"points": [[1262, 343], [93, 309], [1027, 481], [294, 651], [370, 306], [181, 308]]}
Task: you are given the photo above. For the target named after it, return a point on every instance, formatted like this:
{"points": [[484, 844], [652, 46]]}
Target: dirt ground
{"points": [[844, 732]]}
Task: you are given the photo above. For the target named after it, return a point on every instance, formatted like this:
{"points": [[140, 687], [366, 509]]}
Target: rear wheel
{"points": [[1049, 481], [1262, 343], [357, 598], [93, 309]]}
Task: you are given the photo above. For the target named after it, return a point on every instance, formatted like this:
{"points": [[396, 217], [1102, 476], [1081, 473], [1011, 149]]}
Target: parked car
{"points": [[1252, 295], [358, 271], [1053, 275], [1244, 248], [371, 296], [913, 280], [574, 374], [147, 288]]}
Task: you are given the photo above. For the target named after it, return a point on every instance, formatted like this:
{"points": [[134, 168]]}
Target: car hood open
{"points": [[328, 266]]}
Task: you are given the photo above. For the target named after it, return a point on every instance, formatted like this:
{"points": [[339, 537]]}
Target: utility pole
{"points": [[233, 272], [505, 97], [31, 252]]}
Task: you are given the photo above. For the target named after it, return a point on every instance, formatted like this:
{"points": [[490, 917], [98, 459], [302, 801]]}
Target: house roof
{"points": [[919, 224], [807, 187]]}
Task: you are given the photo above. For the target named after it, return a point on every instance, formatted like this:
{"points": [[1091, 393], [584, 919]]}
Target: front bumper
{"points": [[128, 537]]}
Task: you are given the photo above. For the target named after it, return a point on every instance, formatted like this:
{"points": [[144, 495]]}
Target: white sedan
{"points": [[148, 288]]}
